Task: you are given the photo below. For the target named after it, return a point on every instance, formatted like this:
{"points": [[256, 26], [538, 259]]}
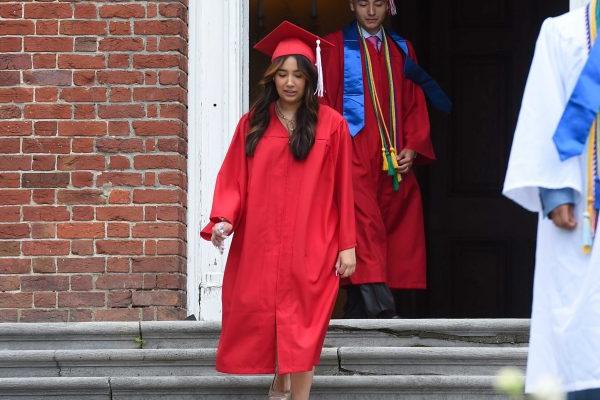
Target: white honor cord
{"points": [[320, 83]]}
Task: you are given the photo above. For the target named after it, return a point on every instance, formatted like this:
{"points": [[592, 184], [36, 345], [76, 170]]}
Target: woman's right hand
{"points": [[220, 232]]}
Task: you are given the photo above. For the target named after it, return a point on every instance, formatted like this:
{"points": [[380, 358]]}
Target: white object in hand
{"points": [[222, 232]]}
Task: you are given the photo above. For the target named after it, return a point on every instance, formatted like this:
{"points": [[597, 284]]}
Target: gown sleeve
{"points": [[416, 132], [230, 189], [344, 190], [534, 162], [553, 198]]}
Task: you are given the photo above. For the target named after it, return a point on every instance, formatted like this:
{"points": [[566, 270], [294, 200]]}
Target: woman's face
{"points": [[290, 82]]}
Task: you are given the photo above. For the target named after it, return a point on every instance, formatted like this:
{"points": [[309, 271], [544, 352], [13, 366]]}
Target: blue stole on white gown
{"points": [[577, 128], [581, 110]]}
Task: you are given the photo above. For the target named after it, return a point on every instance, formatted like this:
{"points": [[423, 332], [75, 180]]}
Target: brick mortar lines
{"points": [[108, 35], [129, 156], [160, 105], [145, 38]]}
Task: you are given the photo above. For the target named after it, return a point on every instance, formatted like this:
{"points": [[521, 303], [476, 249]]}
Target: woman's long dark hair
{"points": [[303, 137]]}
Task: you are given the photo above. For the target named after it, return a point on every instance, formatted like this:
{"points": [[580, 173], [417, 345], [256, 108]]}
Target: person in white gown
{"points": [[565, 324]]}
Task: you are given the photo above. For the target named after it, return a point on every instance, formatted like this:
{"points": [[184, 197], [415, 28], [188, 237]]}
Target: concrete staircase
{"points": [[391, 359]]}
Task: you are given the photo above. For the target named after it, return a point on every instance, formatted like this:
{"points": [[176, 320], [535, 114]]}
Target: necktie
{"points": [[375, 41], [582, 108]]}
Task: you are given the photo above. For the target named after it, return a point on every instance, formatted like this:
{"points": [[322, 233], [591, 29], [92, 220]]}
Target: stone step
{"points": [[429, 333], [123, 362], [248, 388], [474, 361], [192, 334]]}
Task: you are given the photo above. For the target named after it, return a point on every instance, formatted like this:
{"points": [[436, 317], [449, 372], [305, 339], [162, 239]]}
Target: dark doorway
{"points": [[480, 246], [318, 16]]}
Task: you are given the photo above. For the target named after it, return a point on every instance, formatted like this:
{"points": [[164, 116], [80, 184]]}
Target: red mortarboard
{"points": [[289, 39]]}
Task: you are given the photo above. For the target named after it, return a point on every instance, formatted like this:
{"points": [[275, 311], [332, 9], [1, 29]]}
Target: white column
{"points": [[218, 96], [578, 3]]}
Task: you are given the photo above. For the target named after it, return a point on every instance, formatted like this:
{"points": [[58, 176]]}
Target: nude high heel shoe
{"points": [[276, 395]]}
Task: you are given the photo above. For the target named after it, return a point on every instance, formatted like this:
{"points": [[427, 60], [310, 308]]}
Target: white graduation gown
{"points": [[565, 325]]}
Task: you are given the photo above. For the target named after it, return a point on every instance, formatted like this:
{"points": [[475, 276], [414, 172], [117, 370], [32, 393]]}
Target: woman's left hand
{"points": [[346, 263]]}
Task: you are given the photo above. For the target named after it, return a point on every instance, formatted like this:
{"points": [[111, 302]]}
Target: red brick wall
{"points": [[92, 160]]}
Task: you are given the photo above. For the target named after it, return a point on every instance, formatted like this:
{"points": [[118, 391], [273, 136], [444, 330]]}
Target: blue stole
{"points": [[581, 110], [354, 90]]}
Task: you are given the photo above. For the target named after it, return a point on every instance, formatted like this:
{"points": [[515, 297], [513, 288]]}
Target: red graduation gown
{"points": [[389, 227], [291, 219]]}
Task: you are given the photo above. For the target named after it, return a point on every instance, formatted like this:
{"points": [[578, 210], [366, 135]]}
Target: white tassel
{"points": [[320, 83], [393, 10]]}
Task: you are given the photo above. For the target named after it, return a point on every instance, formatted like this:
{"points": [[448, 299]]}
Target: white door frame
{"points": [[218, 96]]}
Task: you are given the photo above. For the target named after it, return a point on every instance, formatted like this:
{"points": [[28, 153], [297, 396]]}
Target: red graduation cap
{"points": [[289, 39]]}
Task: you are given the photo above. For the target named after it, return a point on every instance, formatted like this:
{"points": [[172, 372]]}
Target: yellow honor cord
{"points": [[394, 158], [593, 154], [375, 96], [387, 140], [388, 64], [385, 166], [589, 215], [593, 20]]}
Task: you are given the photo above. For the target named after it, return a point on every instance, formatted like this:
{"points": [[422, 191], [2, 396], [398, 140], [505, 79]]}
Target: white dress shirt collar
{"points": [[379, 34]]}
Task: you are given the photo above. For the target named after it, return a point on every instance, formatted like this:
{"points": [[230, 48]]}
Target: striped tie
{"points": [[375, 41]]}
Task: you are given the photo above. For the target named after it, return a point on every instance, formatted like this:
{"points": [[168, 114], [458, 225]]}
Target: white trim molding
{"points": [[218, 96]]}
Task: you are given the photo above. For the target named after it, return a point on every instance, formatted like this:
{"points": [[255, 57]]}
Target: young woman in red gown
{"points": [[285, 193]]}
